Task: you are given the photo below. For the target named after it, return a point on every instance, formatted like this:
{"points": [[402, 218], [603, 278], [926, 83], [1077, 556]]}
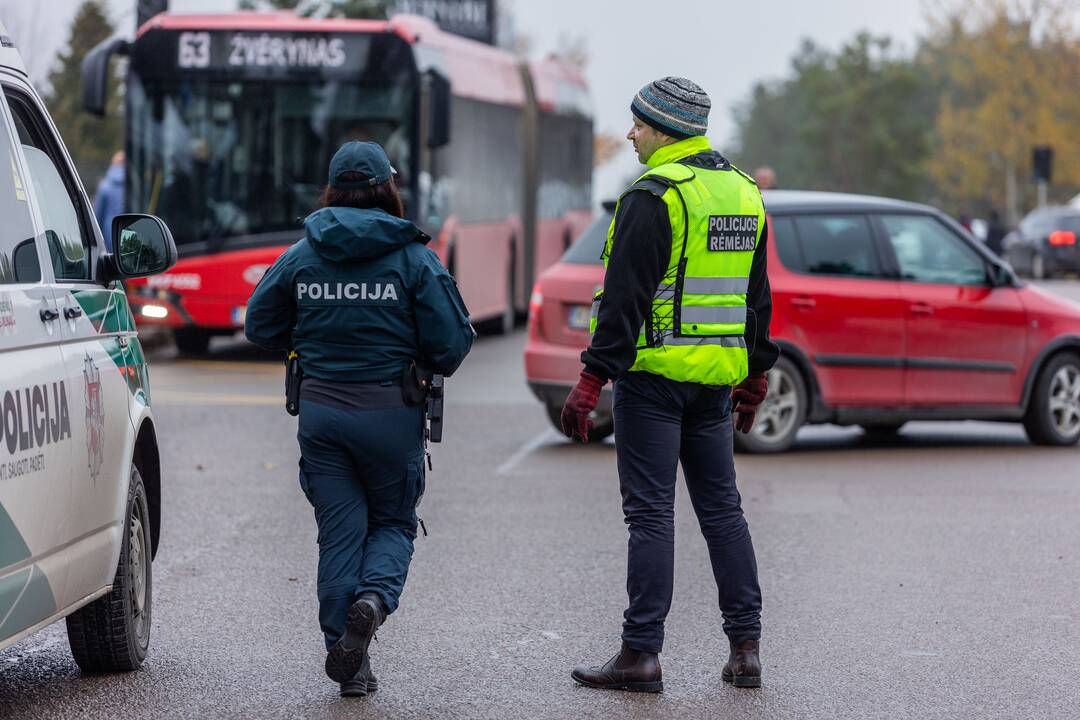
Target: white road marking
{"points": [[527, 449]]}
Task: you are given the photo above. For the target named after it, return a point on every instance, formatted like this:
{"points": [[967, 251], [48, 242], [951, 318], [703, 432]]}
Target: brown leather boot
{"points": [[629, 670], [743, 668]]}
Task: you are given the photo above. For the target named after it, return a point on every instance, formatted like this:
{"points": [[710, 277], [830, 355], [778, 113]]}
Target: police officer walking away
{"points": [[684, 316], [360, 299]]}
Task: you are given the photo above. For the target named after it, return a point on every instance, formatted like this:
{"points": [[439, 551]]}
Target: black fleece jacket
{"points": [[639, 259]]}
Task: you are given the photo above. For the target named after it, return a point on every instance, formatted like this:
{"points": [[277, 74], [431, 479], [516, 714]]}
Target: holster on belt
{"points": [[293, 376], [419, 384]]}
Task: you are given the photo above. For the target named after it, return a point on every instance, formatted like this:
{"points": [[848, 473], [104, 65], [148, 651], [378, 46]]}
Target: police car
{"points": [[79, 470]]}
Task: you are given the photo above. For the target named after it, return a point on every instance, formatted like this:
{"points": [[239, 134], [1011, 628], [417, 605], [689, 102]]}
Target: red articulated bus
{"points": [[232, 120]]}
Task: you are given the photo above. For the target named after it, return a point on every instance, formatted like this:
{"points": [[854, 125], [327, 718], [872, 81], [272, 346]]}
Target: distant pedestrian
{"points": [[995, 233], [682, 328], [109, 198], [765, 177], [362, 301]]}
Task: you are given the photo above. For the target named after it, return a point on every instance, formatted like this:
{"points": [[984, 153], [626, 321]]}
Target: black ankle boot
{"points": [[743, 668], [348, 654], [364, 682], [629, 670]]}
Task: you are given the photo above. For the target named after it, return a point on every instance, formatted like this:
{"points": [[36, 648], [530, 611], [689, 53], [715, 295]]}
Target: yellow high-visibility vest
{"points": [[695, 330]]}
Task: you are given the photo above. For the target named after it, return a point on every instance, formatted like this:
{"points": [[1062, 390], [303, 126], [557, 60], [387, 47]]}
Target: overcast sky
{"points": [[723, 45]]}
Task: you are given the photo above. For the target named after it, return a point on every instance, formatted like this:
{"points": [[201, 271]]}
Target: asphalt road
{"points": [[935, 576]]}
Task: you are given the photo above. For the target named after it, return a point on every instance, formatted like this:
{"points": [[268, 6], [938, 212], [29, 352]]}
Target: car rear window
{"points": [[1069, 222], [587, 248], [782, 236], [837, 245]]}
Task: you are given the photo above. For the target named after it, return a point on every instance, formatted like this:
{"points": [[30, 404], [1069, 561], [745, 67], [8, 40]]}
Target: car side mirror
{"points": [[142, 245], [25, 261], [1001, 276]]}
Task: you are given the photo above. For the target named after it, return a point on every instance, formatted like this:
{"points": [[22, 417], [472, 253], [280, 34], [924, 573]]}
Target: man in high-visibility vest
{"points": [[682, 328]]}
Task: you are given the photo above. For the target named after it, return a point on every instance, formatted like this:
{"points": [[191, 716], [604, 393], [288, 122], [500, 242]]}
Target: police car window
{"points": [[927, 251], [587, 248], [18, 254], [66, 234], [837, 245]]}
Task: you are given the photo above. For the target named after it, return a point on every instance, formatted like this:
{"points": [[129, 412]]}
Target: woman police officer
{"points": [[360, 299]]}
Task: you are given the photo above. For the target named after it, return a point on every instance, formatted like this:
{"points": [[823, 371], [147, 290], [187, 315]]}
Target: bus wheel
{"points": [[191, 341]]}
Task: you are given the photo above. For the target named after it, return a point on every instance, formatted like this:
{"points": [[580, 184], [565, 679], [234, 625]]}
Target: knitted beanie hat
{"points": [[674, 106]]}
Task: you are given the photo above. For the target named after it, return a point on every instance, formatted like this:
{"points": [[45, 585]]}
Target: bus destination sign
{"points": [[473, 19], [199, 51]]}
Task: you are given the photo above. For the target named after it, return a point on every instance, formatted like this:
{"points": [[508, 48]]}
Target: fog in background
{"points": [[722, 45]]}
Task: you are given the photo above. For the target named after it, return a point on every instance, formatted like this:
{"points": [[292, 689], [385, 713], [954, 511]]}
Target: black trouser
{"points": [[658, 423]]}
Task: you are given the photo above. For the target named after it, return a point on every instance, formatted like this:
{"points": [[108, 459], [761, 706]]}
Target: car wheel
{"points": [[1053, 413], [191, 341], [781, 415], [113, 632], [603, 425], [882, 430]]}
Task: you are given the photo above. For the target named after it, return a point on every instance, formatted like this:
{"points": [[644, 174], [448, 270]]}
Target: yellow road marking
{"points": [[201, 398], [267, 367]]}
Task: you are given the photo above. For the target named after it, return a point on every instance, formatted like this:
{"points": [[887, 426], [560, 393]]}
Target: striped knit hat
{"points": [[674, 106]]}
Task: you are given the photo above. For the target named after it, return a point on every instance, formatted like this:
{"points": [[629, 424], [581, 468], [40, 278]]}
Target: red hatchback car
{"points": [[885, 311]]}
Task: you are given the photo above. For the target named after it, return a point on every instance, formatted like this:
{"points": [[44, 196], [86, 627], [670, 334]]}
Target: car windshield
{"points": [[587, 248], [217, 159], [1041, 223]]}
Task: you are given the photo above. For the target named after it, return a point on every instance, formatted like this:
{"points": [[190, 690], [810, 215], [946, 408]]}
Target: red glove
{"points": [[746, 397], [580, 402]]}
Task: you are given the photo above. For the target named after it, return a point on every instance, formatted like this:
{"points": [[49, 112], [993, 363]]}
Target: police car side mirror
{"points": [[142, 245]]}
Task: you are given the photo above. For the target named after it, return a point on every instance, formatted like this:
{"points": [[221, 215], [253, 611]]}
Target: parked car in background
{"points": [[1045, 245], [80, 489], [885, 312], [558, 328]]}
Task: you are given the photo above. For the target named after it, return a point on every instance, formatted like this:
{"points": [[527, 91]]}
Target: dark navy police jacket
{"points": [[360, 297]]}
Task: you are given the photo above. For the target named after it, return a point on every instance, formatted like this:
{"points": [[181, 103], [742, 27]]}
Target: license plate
{"points": [[579, 317], [239, 314]]}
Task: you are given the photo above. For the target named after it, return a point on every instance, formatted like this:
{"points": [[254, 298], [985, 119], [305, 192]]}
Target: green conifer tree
{"points": [[90, 140]]}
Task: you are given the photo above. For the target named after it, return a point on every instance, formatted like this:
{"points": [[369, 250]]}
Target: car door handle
{"points": [[72, 312], [48, 315], [805, 303], [921, 309]]}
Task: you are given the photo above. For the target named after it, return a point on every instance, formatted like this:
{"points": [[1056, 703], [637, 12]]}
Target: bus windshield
{"points": [[219, 158]]}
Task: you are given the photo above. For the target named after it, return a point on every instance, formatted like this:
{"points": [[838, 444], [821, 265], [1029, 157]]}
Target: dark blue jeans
{"points": [[659, 423], [362, 470]]}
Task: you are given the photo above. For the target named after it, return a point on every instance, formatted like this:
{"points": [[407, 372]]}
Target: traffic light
{"points": [[1042, 160]]}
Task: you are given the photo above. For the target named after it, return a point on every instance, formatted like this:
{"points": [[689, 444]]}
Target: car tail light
{"points": [[1061, 238], [535, 301]]}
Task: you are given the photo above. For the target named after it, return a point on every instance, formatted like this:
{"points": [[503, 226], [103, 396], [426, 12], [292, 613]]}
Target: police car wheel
{"points": [[603, 425], [781, 415], [1053, 413], [113, 632]]}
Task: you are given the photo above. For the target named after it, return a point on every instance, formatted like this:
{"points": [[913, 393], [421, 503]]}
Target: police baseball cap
{"points": [[366, 158]]}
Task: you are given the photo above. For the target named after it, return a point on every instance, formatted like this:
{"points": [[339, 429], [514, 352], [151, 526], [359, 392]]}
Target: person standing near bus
{"points": [[683, 319], [360, 299], [109, 198]]}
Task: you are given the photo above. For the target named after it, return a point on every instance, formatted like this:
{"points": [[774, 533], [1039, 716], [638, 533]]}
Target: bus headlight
{"points": [[157, 312]]}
